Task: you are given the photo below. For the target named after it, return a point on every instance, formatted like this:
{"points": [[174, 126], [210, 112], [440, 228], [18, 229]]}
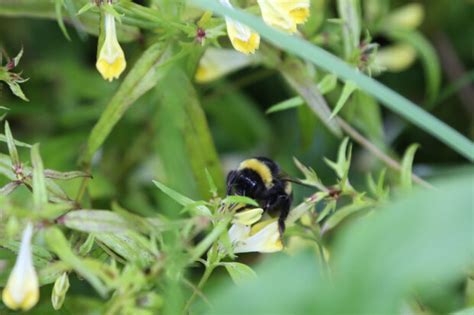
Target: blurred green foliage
{"points": [[128, 248]]}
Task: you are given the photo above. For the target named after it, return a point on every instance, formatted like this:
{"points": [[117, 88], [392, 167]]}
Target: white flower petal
{"points": [[266, 240], [22, 289]]}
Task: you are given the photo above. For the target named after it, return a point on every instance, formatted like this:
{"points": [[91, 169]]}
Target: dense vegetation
{"points": [[121, 119]]}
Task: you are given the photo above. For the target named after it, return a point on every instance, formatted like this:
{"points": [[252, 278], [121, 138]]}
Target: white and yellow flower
{"points": [[241, 36], [111, 60], [249, 234], [22, 289], [248, 217], [216, 63], [263, 237], [284, 14]]}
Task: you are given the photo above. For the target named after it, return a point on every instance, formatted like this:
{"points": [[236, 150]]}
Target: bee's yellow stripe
{"points": [[260, 168]]}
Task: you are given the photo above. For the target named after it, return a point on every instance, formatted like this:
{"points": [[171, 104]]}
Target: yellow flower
{"points": [[263, 237], [22, 289], [284, 14], [248, 217], [111, 61], [395, 58], [216, 63], [241, 36]]}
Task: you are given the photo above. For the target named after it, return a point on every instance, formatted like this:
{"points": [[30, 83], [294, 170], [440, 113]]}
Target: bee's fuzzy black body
{"points": [[261, 179]]}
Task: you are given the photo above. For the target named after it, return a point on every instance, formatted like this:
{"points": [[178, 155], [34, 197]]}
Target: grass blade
{"points": [[325, 60]]}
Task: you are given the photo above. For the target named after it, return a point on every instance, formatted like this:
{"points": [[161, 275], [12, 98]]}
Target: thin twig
{"points": [[359, 138], [197, 291], [204, 278], [454, 69]]}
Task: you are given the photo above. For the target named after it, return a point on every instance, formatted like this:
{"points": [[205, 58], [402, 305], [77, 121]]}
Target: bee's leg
{"points": [[285, 204]]}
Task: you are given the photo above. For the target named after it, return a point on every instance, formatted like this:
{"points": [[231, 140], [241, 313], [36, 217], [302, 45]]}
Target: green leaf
{"points": [[8, 188], [296, 76], [349, 12], [95, 221], [146, 72], [327, 84], [233, 199], [212, 184], [16, 89], [340, 215], [40, 194], [65, 175], [181, 98], [407, 165], [3, 138], [58, 6], [86, 7], [17, 58], [288, 104], [60, 246], [367, 116], [342, 165], [86, 247], [51, 272], [183, 200], [349, 88], [240, 273], [429, 57], [311, 178], [129, 245], [176, 196], [11, 146], [470, 290], [331, 63], [327, 210], [466, 311]]}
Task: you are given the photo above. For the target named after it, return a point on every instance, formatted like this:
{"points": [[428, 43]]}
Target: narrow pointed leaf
{"points": [[40, 195]]}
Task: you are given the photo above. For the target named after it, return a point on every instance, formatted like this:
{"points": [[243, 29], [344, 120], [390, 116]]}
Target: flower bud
{"points": [[61, 285], [22, 289]]}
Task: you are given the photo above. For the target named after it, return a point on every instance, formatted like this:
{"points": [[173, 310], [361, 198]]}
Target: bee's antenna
{"points": [[296, 181]]}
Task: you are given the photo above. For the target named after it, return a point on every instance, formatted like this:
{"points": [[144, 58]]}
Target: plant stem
{"points": [[359, 138], [202, 247], [202, 282]]}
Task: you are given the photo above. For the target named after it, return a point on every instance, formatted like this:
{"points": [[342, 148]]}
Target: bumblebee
{"points": [[261, 179]]}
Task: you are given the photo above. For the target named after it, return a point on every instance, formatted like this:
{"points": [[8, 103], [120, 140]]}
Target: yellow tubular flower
{"points": [[22, 290], [111, 61], [242, 37], [216, 63], [284, 14]]}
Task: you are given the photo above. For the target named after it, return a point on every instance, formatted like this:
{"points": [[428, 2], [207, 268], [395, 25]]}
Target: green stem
{"points": [[204, 245], [202, 282]]}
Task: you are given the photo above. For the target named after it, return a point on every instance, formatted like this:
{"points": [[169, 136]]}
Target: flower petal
{"points": [[284, 15], [265, 239], [111, 60], [22, 289], [241, 36], [248, 217]]}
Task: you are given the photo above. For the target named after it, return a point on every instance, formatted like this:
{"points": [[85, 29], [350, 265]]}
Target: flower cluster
{"points": [[282, 14]]}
